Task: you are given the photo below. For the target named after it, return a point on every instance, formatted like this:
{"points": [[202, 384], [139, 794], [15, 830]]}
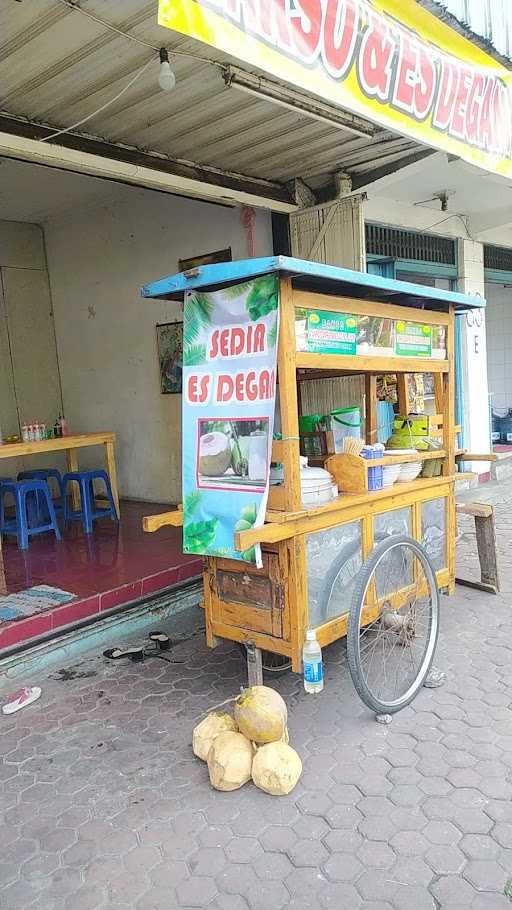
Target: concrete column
{"points": [[474, 354]]}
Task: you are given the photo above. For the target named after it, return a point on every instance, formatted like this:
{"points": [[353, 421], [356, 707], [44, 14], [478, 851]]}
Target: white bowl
{"points": [[312, 498], [390, 474], [409, 471]]}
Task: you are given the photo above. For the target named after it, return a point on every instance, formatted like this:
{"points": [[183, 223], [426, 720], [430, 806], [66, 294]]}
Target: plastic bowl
{"points": [[409, 471], [390, 474]]}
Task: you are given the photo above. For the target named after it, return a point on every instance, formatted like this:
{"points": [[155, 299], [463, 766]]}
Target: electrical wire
{"points": [[128, 85], [113, 28], [119, 31]]}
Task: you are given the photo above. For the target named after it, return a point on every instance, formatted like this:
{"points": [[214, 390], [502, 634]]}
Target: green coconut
{"points": [[207, 731], [230, 761], [260, 713], [214, 454], [276, 768]]}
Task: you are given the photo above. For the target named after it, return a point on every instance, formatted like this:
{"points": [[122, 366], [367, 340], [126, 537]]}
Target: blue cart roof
{"points": [[313, 276]]}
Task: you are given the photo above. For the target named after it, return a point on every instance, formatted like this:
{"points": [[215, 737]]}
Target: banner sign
{"points": [[332, 333], [229, 387], [390, 61], [413, 340], [327, 332]]}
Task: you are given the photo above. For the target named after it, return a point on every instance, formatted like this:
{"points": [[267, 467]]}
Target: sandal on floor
{"points": [[21, 699], [161, 640], [135, 654]]}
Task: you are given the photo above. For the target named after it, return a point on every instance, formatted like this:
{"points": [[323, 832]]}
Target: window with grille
{"points": [[395, 243], [498, 258]]}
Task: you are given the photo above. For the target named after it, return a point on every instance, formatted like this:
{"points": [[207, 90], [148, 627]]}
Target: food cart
{"points": [[368, 564]]}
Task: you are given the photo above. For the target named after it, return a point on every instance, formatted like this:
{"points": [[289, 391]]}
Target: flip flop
{"points": [[161, 640], [135, 654], [21, 699]]}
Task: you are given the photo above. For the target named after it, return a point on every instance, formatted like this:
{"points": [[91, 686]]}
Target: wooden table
{"points": [[69, 445]]}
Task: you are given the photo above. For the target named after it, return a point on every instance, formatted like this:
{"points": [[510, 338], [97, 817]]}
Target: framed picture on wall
{"points": [[169, 340], [205, 259]]}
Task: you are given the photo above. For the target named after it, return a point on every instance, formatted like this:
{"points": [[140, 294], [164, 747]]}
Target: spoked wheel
{"points": [[273, 664], [393, 624]]}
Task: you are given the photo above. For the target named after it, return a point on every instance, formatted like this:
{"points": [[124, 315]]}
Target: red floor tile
{"points": [[114, 565]]}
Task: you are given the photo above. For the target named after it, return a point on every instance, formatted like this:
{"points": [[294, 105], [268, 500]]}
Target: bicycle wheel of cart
{"points": [[393, 624], [273, 664]]}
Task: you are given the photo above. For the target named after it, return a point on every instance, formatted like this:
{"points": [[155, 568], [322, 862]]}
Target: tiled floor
{"points": [[114, 565], [104, 807]]}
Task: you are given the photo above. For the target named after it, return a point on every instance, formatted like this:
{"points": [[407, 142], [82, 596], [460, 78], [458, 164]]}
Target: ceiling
{"points": [[483, 199], [31, 192], [57, 66]]}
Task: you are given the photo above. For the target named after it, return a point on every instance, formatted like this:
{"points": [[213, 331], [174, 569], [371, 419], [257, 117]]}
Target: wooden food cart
{"points": [[322, 566]]}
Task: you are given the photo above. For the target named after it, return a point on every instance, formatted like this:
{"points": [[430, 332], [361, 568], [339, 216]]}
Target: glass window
{"points": [[334, 557]]}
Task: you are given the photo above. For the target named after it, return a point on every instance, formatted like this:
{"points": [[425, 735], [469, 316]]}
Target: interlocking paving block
{"points": [[103, 806]]}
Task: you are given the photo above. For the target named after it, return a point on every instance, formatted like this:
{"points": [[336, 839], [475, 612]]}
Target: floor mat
{"points": [[33, 600]]}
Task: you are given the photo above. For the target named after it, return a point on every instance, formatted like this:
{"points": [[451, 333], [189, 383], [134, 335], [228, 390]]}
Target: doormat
{"points": [[33, 600]]}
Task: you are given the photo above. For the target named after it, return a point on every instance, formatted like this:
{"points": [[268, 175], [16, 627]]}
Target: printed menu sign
{"points": [[413, 339], [330, 333]]}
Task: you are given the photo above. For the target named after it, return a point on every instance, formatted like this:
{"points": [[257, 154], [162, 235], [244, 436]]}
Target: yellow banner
{"points": [[388, 60]]}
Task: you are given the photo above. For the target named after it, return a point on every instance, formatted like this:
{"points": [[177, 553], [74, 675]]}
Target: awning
{"points": [[306, 275]]}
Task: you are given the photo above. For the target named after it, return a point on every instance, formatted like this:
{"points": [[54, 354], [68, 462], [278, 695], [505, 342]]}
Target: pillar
{"points": [[474, 354]]}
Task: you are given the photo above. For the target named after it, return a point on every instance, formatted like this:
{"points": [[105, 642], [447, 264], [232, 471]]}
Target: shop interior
{"points": [[83, 365]]}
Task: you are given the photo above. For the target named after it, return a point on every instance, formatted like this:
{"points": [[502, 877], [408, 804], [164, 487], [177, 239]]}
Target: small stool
{"points": [[22, 492], [483, 513], [47, 474], [88, 512]]}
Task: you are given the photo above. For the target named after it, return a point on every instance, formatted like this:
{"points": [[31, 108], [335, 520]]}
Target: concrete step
{"points": [[502, 468], [468, 482], [101, 632]]}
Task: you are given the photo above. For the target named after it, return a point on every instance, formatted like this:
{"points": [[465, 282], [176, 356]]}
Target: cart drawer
{"points": [[246, 597]]}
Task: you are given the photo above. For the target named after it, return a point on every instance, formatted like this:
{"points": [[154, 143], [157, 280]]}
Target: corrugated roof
{"points": [[490, 20], [57, 66]]}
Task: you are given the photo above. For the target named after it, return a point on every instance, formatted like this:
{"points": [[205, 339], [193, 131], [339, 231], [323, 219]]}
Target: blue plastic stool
{"points": [[87, 513], [47, 474], [24, 493]]}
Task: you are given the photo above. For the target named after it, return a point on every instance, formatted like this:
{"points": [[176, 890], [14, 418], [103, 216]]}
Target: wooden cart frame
{"points": [[269, 606]]}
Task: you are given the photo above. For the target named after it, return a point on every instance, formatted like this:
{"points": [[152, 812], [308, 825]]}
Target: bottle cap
{"points": [[311, 635]]}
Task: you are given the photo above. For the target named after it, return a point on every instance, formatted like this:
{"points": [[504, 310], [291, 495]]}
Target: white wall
{"points": [[386, 210], [98, 258], [29, 374], [499, 344], [474, 354]]}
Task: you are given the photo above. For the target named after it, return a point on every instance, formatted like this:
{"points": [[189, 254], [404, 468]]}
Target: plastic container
{"points": [[309, 423], [506, 429], [496, 427], [345, 422], [312, 664], [375, 475]]}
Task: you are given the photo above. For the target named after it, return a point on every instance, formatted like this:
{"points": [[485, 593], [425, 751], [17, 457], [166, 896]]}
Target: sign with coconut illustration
{"points": [[229, 387]]}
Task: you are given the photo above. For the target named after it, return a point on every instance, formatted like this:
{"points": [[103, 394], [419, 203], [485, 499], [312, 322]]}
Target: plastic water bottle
{"points": [[312, 663]]}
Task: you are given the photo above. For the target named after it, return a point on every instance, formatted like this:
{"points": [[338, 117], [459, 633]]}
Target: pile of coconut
{"points": [[251, 743]]}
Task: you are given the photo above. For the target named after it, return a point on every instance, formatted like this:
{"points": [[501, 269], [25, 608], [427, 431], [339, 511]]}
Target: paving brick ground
{"points": [[104, 806]]}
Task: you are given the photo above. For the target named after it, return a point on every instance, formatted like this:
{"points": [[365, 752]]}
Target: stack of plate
{"points": [[408, 471], [390, 474], [317, 485]]}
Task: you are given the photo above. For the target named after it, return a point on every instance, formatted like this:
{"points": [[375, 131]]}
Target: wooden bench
{"points": [[483, 513]]}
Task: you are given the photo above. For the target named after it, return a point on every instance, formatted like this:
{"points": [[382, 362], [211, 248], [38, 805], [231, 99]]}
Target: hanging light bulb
{"points": [[166, 77]]}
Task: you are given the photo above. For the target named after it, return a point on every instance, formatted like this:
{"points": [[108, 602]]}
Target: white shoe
{"points": [[21, 699]]}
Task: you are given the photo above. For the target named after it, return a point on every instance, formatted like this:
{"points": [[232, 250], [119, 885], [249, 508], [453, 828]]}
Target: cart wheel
{"points": [[273, 664], [393, 624]]}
